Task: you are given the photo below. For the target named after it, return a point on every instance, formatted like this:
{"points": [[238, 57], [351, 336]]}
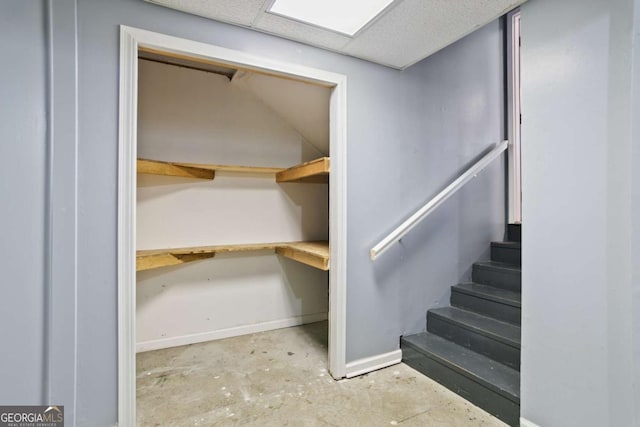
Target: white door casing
{"points": [[514, 116], [130, 40]]}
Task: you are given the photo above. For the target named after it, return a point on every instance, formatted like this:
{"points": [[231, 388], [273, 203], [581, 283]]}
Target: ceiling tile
{"points": [[233, 11], [295, 30], [407, 32], [414, 29]]}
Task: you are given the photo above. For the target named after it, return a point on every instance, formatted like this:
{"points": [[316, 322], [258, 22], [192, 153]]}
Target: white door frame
{"points": [[514, 116], [130, 40]]}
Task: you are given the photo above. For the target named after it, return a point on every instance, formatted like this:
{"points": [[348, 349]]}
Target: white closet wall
{"points": [[194, 116]]}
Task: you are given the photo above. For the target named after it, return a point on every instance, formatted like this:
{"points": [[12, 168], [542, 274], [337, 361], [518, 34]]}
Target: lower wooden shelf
{"points": [[315, 254]]}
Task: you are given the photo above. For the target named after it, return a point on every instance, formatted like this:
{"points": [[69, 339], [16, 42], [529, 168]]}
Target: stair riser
{"points": [[497, 310], [475, 341], [514, 233], [492, 402], [500, 278], [509, 255]]}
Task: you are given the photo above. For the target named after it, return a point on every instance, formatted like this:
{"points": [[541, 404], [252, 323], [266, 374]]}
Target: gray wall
{"points": [[409, 134], [580, 278], [439, 116], [23, 150]]}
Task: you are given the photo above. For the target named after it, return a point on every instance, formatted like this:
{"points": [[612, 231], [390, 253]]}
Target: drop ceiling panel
{"points": [[414, 29], [405, 33], [299, 31], [240, 12]]}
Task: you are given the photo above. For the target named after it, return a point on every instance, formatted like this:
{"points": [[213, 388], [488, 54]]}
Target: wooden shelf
{"points": [[315, 171], [154, 167], [233, 168], [315, 254], [197, 170]]}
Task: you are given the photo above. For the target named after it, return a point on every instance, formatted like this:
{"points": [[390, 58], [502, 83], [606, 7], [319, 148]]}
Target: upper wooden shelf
{"points": [[316, 171], [313, 171], [315, 254], [196, 170], [154, 167]]}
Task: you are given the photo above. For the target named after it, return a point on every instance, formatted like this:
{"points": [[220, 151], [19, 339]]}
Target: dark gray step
{"points": [[494, 302], [497, 340], [514, 232], [508, 252], [498, 274], [490, 385]]}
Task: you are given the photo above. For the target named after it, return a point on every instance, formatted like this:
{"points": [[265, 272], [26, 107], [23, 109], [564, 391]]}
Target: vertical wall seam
{"points": [[48, 214], [618, 213], [635, 141], [61, 208], [75, 209]]}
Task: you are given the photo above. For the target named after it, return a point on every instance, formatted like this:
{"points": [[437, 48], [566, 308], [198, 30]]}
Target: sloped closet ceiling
{"points": [[405, 33], [304, 106]]}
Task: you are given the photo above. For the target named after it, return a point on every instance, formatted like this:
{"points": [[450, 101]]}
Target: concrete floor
{"points": [[279, 378]]}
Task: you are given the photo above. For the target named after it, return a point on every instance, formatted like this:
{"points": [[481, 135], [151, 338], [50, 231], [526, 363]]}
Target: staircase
{"points": [[473, 346]]}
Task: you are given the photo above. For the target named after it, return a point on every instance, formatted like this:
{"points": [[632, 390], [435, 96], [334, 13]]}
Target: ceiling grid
{"points": [[406, 32]]}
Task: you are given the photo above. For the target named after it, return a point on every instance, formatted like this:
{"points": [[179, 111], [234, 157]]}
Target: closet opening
{"points": [[232, 201]]}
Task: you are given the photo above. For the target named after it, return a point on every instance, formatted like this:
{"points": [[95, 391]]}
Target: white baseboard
{"points": [[526, 423], [229, 332], [373, 363]]}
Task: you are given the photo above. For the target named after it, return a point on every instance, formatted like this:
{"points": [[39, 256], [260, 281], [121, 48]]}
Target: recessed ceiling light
{"points": [[343, 16]]}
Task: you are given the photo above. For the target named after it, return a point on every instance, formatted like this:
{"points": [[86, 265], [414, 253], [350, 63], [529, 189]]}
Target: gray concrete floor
{"points": [[280, 378]]}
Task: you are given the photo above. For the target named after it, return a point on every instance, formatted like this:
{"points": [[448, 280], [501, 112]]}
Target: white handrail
{"points": [[451, 189]]}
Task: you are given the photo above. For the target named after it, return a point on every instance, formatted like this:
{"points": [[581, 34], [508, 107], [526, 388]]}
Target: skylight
{"points": [[343, 16]]}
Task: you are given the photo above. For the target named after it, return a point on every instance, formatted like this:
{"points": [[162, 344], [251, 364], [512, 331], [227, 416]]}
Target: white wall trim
{"points": [[338, 229], [513, 117], [373, 363], [127, 147], [526, 423], [130, 39], [229, 332]]}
